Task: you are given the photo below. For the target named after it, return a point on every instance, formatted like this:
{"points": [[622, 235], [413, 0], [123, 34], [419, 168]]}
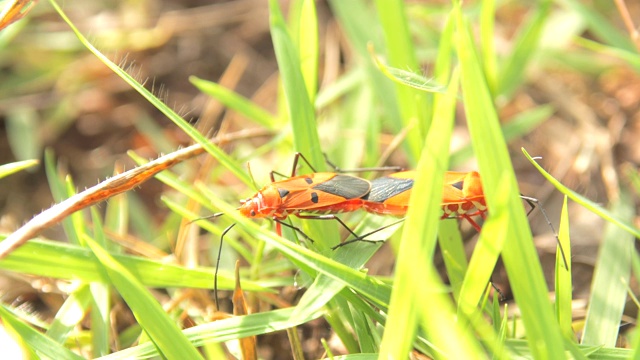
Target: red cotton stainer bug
{"points": [[463, 197], [321, 193]]}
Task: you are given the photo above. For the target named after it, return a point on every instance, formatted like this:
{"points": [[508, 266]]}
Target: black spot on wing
{"points": [[283, 192], [387, 187], [458, 185], [314, 197], [308, 180], [348, 187]]}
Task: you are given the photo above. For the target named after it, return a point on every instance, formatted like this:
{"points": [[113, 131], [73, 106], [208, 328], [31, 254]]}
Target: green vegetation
{"points": [[381, 100]]}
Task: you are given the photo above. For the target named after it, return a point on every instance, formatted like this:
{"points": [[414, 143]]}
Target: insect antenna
{"points": [[380, 168], [215, 274], [206, 217], [535, 203]]}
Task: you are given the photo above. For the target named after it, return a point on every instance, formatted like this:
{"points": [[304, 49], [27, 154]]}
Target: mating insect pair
{"points": [[322, 195]]}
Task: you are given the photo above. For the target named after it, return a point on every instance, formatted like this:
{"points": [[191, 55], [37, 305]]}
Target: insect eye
{"points": [[253, 213]]}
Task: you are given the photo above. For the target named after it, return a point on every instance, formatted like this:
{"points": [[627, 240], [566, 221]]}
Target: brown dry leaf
{"points": [[15, 11], [248, 344]]}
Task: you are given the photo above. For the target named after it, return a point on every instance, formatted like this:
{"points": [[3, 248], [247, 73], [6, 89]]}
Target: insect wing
{"points": [[348, 187], [336, 190], [391, 189]]}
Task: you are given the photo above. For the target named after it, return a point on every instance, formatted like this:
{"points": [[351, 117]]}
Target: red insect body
{"points": [[462, 198], [318, 193]]}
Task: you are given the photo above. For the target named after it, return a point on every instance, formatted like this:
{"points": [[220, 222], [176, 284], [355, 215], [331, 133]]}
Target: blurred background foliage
{"points": [[580, 100]]}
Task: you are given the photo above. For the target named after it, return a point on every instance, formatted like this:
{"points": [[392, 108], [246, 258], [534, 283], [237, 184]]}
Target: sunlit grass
{"points": [[372, 316]]}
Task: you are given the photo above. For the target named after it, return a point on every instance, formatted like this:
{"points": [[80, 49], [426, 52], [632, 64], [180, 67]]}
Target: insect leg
{"points": [[294, 228], [362, 238], [535, 203], [471, 221], [339, 170], [327, 217]]}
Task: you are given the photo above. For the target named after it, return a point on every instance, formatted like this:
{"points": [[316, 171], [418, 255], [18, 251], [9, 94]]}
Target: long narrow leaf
{"points": [[161, 329], [519, 254], [610, 279]]}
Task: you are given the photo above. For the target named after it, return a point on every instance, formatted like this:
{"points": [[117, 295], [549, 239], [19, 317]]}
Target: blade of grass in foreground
{"points": [[71, 262], [416, 278], [304, 31], [37, 342], [610, 279], [224, 330], [563, 276], [519, 254], [157, 324]]}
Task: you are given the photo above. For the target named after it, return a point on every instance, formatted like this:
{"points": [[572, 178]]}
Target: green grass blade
{"points": [[160, 328], [413, 104], [101, 293], [14, 167], [300, 109], [59, 193], [237, 102], [71, 262], [631, 57], [409, 79], [484, 257], [564, 284], [453, 253], [417, 244], [487, 39], [588, 204], [610, 279], [519, 254], [304, 31], [600, 26], [525, 46], [41, 344], [70, 314], [225, 330]]}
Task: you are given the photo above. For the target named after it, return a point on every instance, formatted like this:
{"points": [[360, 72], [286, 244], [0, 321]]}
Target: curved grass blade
{"points": [[588, 204], [519, 254], [407, 310], [564, 285], [611, 276], [157, 324]]}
